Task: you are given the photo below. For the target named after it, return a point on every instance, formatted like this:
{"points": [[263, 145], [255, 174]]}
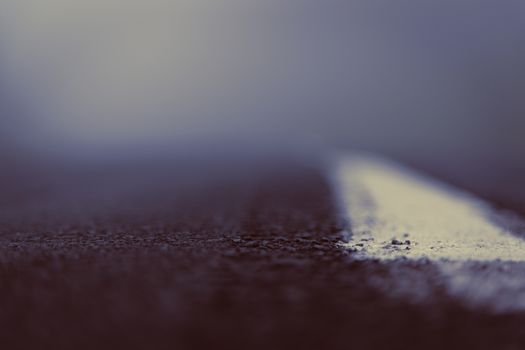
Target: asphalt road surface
{"points": [[229, 254]]}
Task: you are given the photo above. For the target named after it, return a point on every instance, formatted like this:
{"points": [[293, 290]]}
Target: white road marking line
{"points": [[395, 213]]}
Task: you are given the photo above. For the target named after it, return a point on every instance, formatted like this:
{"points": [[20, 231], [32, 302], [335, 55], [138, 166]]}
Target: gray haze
{"points": [[416, 79]]}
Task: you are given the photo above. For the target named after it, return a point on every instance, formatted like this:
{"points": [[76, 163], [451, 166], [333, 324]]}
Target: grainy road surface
{"points": [[230, 254]]}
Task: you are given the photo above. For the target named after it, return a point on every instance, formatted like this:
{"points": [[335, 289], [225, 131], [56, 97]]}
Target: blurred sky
{"points": [[412, 78]]}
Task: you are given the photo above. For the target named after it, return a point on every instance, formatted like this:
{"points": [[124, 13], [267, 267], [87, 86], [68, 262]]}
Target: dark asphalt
{"points": [[228, 255]]}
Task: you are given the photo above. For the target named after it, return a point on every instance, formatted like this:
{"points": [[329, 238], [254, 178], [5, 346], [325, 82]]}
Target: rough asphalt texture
{"points": [[232, 255]]}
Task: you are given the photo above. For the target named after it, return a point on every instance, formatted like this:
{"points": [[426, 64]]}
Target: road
{"points": [[226, 254]]}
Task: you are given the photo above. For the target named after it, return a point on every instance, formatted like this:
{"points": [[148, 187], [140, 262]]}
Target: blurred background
{"points": [[437, 84]]}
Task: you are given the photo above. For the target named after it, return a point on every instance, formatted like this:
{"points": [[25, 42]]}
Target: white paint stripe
{"points": [[395, 213]]}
